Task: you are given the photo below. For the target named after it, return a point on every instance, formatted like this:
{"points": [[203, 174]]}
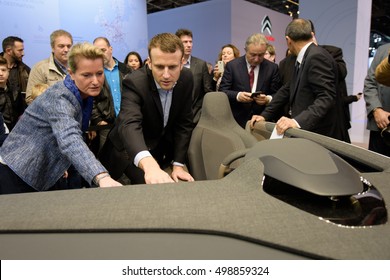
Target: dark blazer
{"points": [[337, 55], [312, 95], [140, 124], [202, 84], [286, 68], [286, 73], [235, 79], [103, 105]]}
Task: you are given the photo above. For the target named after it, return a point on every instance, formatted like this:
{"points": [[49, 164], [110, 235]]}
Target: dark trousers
{"points": [[377, 144], [11, 183], [118, 163], [74, 181]]}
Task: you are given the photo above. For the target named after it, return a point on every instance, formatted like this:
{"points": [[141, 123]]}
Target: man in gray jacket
{"points": [[377, 97]]}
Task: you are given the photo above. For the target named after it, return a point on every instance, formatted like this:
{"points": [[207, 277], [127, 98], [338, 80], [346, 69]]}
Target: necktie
{"points": [[251, 76], [297, 64]]}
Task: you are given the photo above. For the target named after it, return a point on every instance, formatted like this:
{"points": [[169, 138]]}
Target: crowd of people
{"points": [[141, 113]]}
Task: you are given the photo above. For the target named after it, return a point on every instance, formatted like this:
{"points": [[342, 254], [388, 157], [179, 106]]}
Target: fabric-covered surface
{"points": [[235, 206]]}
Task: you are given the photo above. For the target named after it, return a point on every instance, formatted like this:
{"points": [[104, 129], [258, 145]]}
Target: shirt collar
{"points": [[302, 52], [188, 62], [115, 65], [249, 66], [63, 68], [159, 87]]}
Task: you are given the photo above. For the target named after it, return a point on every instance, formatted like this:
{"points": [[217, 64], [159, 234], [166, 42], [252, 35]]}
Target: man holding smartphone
{"points": [[250, 80]]}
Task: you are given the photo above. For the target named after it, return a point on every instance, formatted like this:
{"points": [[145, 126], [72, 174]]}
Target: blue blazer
{"points": [[48, 139], [235, 79]]}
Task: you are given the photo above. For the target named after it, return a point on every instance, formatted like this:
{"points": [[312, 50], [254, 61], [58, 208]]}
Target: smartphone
{"points": [[221, 66], [257, 93]]}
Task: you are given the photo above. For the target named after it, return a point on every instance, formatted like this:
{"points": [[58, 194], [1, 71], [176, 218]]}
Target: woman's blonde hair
{"points": [[83, 50]]}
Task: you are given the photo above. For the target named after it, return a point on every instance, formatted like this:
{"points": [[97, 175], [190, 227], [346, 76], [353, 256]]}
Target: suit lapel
{"points": [[193, 64], [299, 74], [297, 79], [155, 94], [157, 100], [193, 69], [245, 74], [261, 76]]}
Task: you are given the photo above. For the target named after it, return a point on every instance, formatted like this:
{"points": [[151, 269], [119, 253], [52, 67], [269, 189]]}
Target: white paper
{"points": [[275, 135]]}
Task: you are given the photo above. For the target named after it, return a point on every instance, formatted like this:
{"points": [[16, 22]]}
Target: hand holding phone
{"points": [[221, 66], [257, 93]]}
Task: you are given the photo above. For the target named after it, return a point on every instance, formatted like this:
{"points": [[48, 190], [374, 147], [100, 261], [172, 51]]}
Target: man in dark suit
{"points": [[237, 84], [341, 87], [311, 94], [286, 71], [199, 70], [154, 126]]}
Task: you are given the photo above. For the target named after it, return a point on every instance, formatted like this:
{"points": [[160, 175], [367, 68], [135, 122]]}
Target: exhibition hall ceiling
{"points": [[380, 21], [286, 7]]}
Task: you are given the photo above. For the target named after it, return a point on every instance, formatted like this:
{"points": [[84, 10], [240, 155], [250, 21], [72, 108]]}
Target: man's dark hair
{"points": [[299, 30], [9, 42], [3, 61], [184, 32]]}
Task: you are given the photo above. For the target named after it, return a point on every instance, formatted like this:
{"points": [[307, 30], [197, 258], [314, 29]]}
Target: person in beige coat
{"points": [[55, 68]]}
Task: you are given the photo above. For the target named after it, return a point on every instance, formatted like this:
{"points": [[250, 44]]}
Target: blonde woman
{"points": [[49, 136]]}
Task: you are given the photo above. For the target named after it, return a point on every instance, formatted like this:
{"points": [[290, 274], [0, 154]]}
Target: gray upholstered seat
{"points": [[216, 135]]}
